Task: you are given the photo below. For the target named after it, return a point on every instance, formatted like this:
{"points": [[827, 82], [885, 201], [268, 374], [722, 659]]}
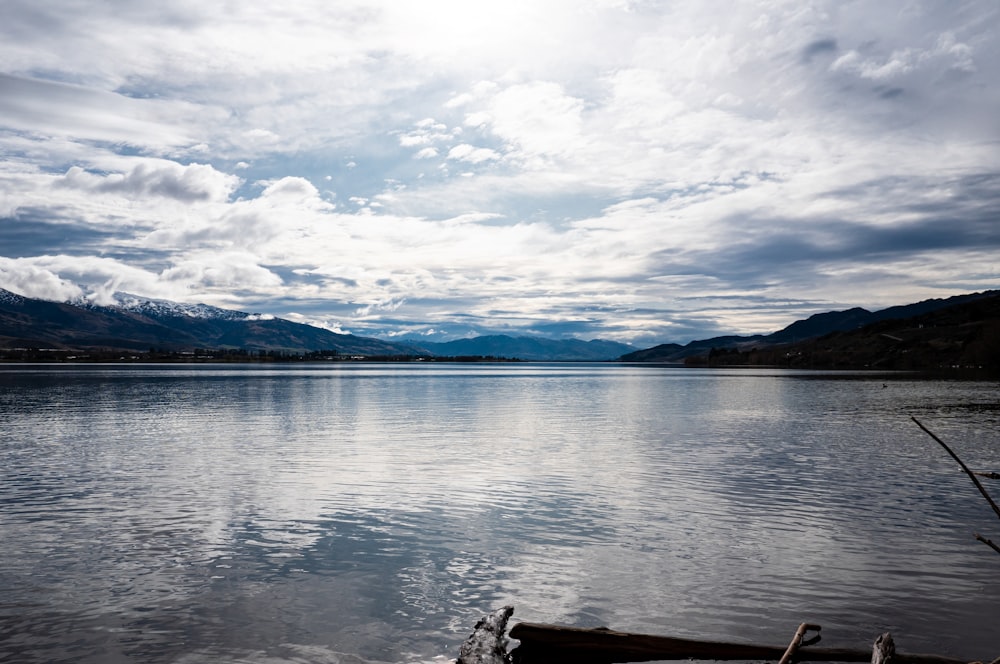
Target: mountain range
{"points": [[140, 324], [551, 350], [958, 331]]}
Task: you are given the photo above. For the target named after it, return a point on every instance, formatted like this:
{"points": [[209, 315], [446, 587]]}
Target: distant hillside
{"points": [[963, 335], [958, 330], [813, 327], [528, 348], [143, 324], [677, 354]]}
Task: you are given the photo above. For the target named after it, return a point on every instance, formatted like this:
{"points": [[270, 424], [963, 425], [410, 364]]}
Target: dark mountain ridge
{"points": [[817, 325], [961, 336]]}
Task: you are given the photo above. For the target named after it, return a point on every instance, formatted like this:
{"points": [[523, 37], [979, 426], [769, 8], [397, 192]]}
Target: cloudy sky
{"points": [[645, 171]]}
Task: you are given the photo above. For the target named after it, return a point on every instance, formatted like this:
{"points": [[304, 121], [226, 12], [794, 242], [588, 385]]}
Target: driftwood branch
{"points": [[968, 472], [797, 641], [487, 645], [884, 650], [558, 645]]}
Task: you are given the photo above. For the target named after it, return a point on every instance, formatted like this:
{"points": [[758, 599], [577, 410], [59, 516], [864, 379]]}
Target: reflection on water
{"points": [[182, 514]]}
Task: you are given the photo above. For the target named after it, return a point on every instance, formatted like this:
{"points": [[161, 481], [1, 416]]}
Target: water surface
{"points": [[326, 513]]}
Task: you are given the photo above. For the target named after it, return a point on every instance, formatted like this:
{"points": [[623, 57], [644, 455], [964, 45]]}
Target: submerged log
{"points": [[487, 644], [553, 644]]}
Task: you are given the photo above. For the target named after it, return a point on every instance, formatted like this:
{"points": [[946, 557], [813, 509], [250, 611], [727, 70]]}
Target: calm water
{"points": [[373, 512]]}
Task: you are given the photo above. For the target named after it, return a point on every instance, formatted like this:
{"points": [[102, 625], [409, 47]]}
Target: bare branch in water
{"points": [[971, 475], [968, 472], [988, 542]]}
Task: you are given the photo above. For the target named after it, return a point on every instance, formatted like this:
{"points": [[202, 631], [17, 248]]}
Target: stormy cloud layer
{"points": [[638, 171]]}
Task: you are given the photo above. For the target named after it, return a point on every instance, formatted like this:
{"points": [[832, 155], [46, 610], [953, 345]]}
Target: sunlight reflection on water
{"points": [[167, 513]]}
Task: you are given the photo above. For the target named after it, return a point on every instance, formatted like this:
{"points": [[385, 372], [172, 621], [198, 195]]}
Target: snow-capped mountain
{"points": [[139, 324], [6, 297], [166, 308]]}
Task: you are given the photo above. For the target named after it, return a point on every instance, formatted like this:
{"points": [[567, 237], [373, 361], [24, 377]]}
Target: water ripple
{"points": [[253, 514]]}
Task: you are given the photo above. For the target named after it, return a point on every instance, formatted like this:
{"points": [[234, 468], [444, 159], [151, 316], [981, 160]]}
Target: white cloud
{"points": [[426, 133], [414, 140], [325, 323], [626, 154], [946, 53], [286, 208], [538, 119], [472, 154], [261, 137], [46, 108], [293, 189], [191, 183], [62, 277], [28, 279], [387, 305], [898, 63], [478, 119], [226, 271]]}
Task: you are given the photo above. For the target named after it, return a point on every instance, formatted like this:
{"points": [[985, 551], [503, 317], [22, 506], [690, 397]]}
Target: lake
{"points": [[345, 513]]}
